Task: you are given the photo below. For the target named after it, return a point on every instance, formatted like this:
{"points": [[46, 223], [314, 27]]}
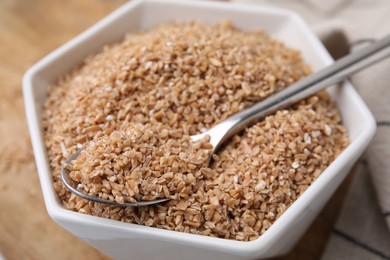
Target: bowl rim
{"points": [[60, 214]]}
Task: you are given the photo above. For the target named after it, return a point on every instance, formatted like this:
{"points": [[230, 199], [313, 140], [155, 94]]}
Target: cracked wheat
{"points": [[136, 103]]}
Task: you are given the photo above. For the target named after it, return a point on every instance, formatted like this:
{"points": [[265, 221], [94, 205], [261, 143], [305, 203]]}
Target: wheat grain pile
{"points": [[135, 104]]}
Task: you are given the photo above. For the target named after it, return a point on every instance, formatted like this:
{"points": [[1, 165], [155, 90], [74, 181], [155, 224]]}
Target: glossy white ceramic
{"points": [[130, 241]]}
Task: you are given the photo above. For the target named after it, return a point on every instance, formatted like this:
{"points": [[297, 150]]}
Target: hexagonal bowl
{"points": [[123, 240]]}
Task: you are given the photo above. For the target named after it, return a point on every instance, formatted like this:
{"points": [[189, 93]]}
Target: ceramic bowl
{"points": [[130, 241]]}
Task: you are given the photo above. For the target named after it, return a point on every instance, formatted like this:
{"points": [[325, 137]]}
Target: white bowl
{"points": [[123, 240]]}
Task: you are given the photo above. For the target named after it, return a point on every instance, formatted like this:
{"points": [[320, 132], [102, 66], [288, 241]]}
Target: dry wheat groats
{"points": [[136, 102], [143, 162]]}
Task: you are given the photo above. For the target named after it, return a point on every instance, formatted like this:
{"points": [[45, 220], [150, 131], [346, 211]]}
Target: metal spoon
{"points": [[308, 86]]}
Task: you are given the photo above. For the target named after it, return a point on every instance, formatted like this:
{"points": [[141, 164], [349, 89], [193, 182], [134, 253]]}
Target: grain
{"points": [[134, 105], [143, 162]]}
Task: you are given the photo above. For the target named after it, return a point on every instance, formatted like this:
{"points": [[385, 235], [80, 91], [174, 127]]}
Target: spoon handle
{"points": [[308, 86]]}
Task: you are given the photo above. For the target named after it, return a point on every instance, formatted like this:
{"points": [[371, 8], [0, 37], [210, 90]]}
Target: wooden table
{"points": [[28, 31]]}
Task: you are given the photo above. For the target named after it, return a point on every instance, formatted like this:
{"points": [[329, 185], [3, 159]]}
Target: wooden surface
{"points": [[28, 31]]}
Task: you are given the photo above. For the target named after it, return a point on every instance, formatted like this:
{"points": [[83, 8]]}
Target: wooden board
{"points": [[28, 31]]}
